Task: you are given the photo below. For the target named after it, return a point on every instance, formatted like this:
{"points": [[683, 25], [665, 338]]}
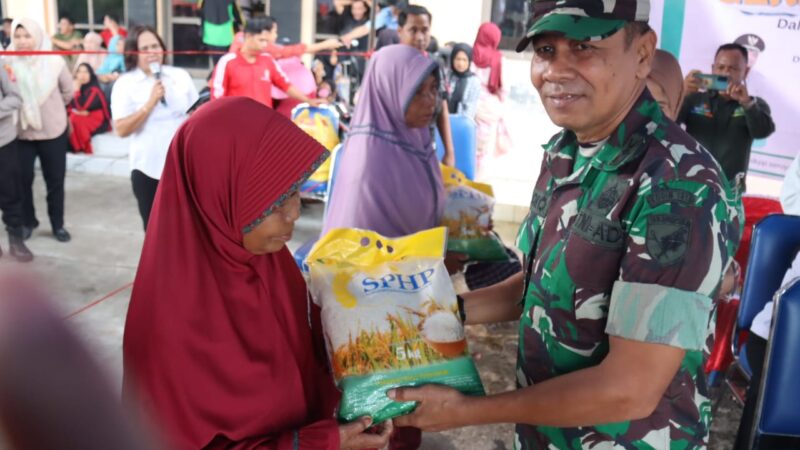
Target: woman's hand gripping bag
{"points": [[468, 217], [390, 318]]}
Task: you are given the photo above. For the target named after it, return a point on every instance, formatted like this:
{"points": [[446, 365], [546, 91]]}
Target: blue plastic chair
{"points": [[779, 394], [465, 143], [775, 242]]}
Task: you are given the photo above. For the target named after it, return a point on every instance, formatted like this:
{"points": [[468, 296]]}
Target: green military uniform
{"points": [[726, 128], [633, 244], [629, 241]]}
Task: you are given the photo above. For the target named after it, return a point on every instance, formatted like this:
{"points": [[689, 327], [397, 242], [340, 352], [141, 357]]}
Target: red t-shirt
{"points": [[106, 35], [235, 76]]}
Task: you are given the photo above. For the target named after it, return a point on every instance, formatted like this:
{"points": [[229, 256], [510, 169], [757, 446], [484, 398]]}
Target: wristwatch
{"points": [[461, 313]]}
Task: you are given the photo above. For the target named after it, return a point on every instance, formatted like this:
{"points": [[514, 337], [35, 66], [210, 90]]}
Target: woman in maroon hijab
{"points": [[221, 346]]}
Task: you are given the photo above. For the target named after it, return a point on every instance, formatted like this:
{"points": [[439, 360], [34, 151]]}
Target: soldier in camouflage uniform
{"points": [[631, 226]]}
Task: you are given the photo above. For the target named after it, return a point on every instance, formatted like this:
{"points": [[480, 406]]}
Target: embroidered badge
{"points": [[598, 230], [660, 196], [667, 238], [539, 203], [610, 196]]}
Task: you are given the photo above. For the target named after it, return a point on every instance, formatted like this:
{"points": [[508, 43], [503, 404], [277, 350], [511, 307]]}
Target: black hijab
{"points": [[459, 78], [90, 97], [93, 82]]}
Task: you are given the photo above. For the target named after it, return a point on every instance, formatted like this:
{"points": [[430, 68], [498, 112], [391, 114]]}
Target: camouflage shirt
{"points": [[633, 244]]}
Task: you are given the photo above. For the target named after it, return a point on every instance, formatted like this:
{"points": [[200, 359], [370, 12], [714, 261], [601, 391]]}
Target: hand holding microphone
{"points": [[158, 89]]}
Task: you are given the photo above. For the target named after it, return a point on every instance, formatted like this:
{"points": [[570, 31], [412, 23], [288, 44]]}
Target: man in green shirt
{"points": [[220, 18], [631, 226], [68, 38], [727, 122]]}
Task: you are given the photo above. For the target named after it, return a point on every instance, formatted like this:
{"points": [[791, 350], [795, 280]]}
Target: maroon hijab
{"points": [[485, 54], [218, 345]]}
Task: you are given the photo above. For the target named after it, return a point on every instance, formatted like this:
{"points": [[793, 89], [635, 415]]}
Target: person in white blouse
{"points": [[149, 104], [762, 323]]}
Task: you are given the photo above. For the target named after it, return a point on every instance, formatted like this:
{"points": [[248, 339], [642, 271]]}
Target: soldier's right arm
{"points": [[498, 303]]}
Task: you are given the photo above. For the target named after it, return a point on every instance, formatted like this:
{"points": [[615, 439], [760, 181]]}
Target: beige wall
{"points": [[456, 20], [42, 11]]}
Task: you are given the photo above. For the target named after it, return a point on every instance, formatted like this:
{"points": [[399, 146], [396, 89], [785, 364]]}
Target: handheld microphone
{"points": [[155, 68]]}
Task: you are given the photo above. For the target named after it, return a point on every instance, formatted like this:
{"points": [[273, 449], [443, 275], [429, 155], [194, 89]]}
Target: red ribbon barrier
{"points": [[167, 52]]}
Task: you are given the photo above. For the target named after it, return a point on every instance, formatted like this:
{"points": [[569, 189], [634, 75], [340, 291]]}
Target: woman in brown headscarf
{"points": [[665, 82]]}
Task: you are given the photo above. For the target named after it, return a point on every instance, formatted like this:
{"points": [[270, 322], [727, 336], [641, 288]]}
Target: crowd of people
{"points": [[634, 220], [52, 105]]}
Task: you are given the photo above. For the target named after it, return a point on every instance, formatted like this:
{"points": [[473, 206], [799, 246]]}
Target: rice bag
{"points": [[390, 318], [467, 216]]}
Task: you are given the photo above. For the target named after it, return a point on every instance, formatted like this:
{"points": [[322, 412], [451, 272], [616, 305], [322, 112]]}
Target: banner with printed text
{"points": [[770, 30]]}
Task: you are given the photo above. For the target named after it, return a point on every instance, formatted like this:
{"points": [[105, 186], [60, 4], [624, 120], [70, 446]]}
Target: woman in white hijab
{"points": [[45, 83], [91, 42]]}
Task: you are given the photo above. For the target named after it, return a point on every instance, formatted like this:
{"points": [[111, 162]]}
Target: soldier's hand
{"points": [[691, 84], [438, 407]]}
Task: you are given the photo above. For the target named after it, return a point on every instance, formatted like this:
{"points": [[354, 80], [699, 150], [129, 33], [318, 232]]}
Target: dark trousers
{"points": [[11, 187], [144, 189], [215, 58], [756, 353], [52, 154]]}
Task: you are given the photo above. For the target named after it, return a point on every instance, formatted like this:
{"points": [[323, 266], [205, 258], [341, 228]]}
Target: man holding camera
{"points": [[726, 121]]}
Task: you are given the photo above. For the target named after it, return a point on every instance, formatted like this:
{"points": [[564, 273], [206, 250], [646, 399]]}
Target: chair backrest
{"points": [[465, 141], [779, 394], [775, 242], [439, 144], [333, 171], [326, 110], [465, 144], [335, 153]]}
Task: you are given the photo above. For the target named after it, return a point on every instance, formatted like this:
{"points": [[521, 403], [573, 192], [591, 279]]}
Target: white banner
{"points": [[770, 29]]}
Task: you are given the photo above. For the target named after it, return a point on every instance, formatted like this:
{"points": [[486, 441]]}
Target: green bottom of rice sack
{"points": [[487, 249], [468, 215], [366, 395]]}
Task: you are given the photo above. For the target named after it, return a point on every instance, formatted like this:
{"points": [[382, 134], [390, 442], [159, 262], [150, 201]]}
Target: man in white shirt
{"points": [[149, 106]]}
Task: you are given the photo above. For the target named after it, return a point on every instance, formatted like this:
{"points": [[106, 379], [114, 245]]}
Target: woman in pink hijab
{"points": [[493, 138]]}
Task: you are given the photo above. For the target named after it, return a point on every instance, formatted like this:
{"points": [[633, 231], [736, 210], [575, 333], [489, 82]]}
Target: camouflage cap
{"points": [[584, 20]]}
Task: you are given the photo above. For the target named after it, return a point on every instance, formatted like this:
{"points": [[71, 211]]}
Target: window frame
{"points": [[92, 26]]}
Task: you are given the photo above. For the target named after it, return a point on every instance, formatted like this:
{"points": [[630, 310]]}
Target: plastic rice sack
{"points": [[468, 215], [390, 318]]}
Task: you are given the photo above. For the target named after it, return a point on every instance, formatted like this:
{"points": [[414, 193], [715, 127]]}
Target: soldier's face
{"points": [[589, 87]]}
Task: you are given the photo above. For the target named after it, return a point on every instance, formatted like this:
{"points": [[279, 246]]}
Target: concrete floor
{"points": [[100, 263]]}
